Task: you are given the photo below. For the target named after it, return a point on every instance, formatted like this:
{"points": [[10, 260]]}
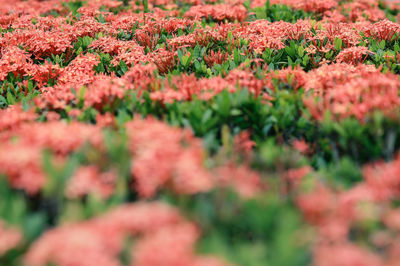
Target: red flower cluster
{"points": [[112, 46], [310, 6], [43, 44], [180, 159], [336, 213], [353, 55], [14, 60], [101, 239], [383, 30], [105, 90], [21, 152], [9, 237], [80, 71], [351, 91], [179, 156], [219, 12], [88, 179], [362, 10], [187, 87]]}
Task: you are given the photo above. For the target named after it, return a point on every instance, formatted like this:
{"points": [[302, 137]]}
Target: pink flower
{"points": [[10, 238], [166, 155], [353, 55], [301, 146], [89, 179], [299, 173], [100, 240]]}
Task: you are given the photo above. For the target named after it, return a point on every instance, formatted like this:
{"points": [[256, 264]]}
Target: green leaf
{"points": [[124, 67], [382, 44], [180, 55], [3, 102], [300, 51], [10, 98], [338, 44]]}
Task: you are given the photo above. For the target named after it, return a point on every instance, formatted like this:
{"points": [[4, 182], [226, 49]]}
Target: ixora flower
{"points": [[42, 74], [112, 45], [182, 166], [345, 254], [337, 212], [180, 163], [133, 57], [172, 25], [215, 58], [313, 6], [14, 60], [296, 77], [353, 55], [13, 117], [383, 30], [218, 12], [10, 237], [302, 146], [356, 92], [101, 239], [80, 71], [105, 90], [142, 77], [22, 154], [89, 179], [43, 44], [164, 60]]}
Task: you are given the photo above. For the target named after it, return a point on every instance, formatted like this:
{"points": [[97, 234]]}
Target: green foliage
{"points": [[278, 12]]}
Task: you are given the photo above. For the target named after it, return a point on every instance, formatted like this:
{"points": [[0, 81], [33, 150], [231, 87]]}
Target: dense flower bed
{"points": [[199, 132]]}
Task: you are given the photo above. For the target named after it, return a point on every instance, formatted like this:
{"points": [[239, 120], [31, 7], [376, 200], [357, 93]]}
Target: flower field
{"points": [[199, 132]]}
